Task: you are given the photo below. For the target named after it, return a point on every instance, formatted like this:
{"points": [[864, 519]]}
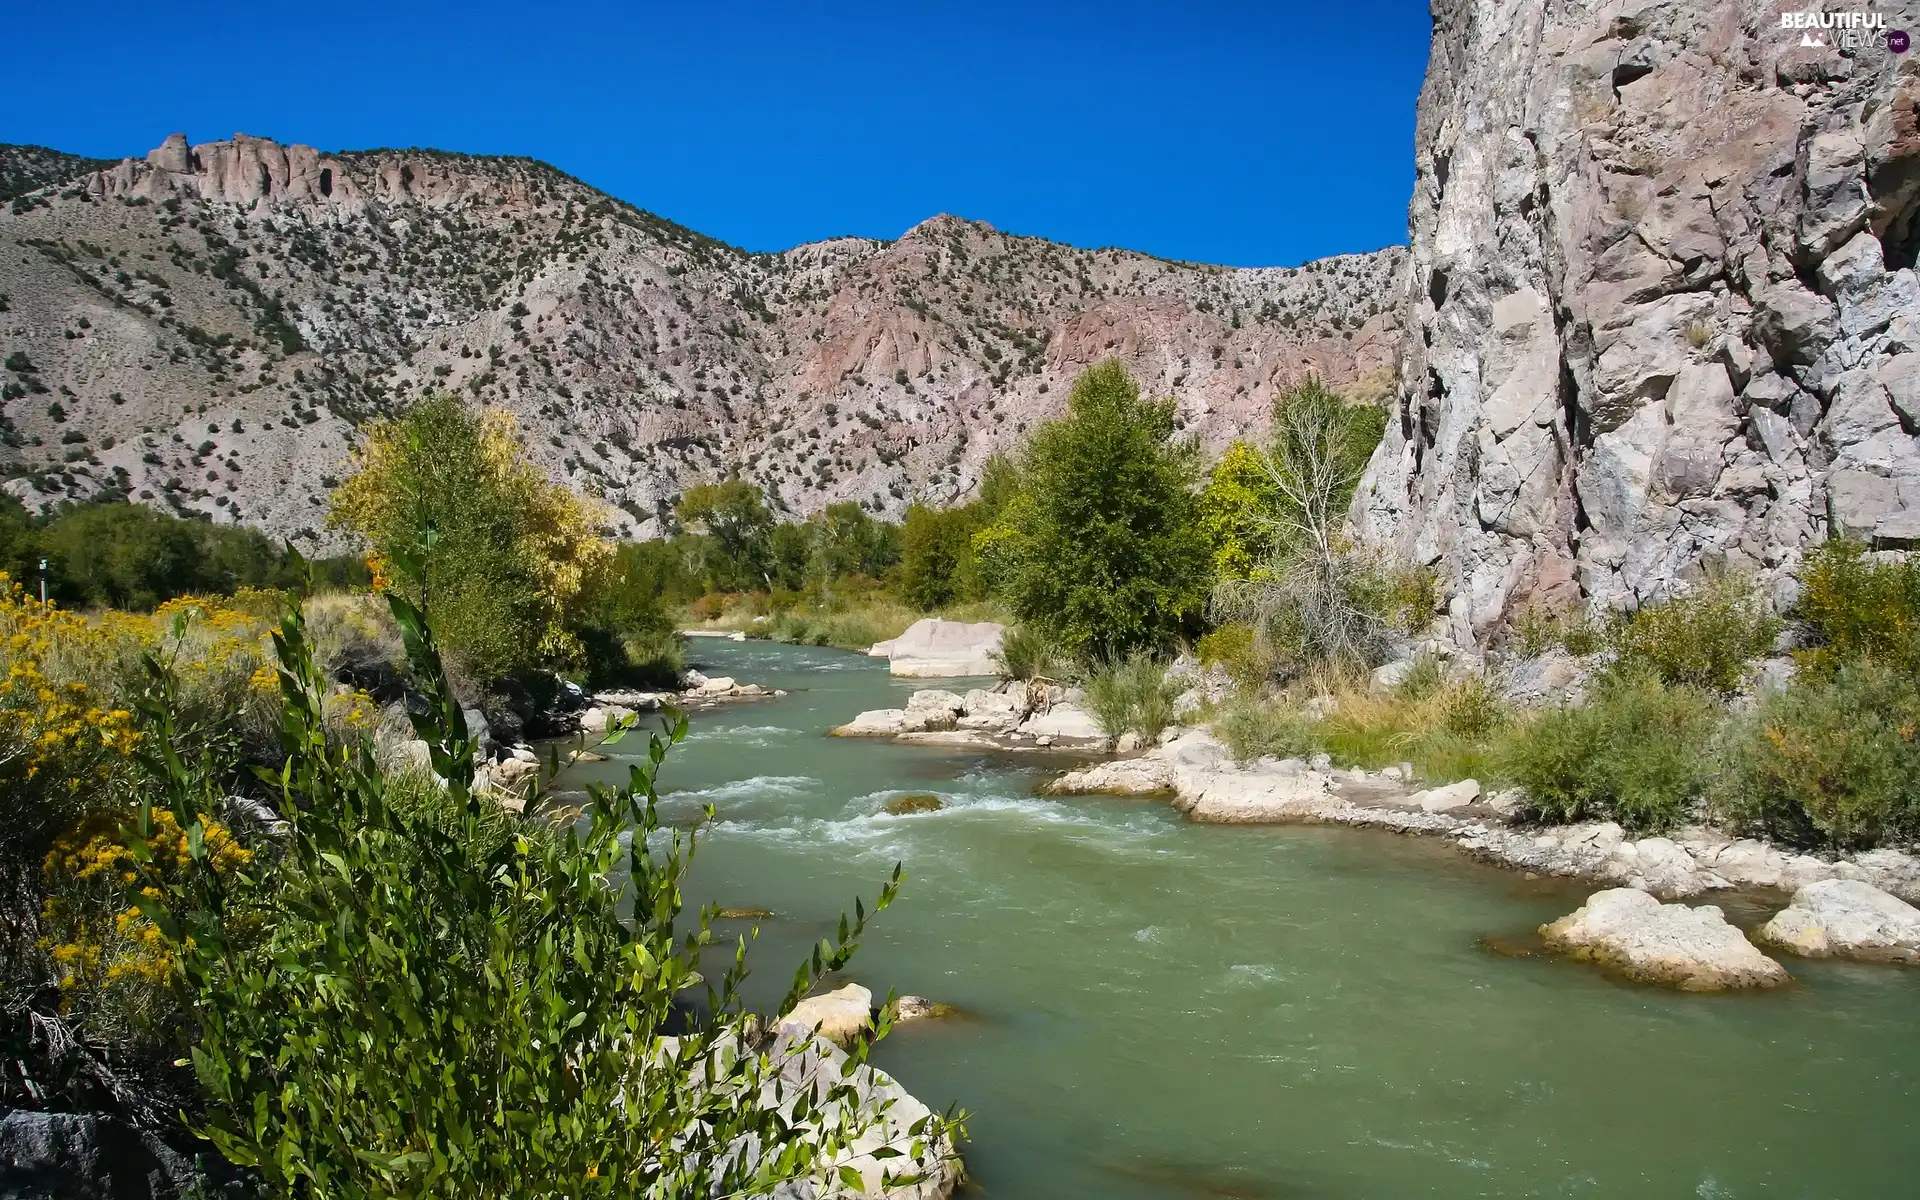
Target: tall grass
{"points": [[1131, 695]]}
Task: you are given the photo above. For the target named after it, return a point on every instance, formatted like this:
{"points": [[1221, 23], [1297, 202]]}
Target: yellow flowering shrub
{"points": [[108, 959]]}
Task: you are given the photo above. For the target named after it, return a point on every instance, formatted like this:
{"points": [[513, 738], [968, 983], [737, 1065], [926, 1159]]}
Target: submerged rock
{"points": [[744, 914], [1844, 918], [1693, 949], [914, 802], [840, 1016]]}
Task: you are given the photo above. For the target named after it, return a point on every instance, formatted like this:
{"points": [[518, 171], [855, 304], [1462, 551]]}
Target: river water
{"points": [[1162, 1009]]}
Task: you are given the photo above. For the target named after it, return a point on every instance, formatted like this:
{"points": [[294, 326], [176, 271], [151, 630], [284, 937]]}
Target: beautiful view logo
{"points": [[1845, 30]]}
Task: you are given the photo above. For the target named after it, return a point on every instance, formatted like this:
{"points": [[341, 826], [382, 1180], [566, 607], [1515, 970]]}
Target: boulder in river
{"points": [[919, 1008], [1844, 918], [1693, 949], [840, 1016], [913, 802], [936, 649], [1064, 721]]}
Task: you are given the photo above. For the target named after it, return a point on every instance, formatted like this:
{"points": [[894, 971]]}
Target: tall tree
{"points": [[1100, 547], [507, 553], [735, 517]]}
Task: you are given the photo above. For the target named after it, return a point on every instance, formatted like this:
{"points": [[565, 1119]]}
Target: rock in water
{"points": [[934, 649], [913, 802], [744, 914], [919, 1008], [840, 1017], [1844, 918], [1693, 949]]}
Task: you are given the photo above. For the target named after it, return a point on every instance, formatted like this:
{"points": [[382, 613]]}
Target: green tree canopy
{"points": [[1100, 547], [735, 516]]}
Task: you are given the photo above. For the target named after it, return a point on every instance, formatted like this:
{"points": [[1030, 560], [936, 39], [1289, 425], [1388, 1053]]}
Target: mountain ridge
{"points": [[294, 293]]}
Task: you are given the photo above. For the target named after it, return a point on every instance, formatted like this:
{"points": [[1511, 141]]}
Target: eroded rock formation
{"points": [[1662, 316]]}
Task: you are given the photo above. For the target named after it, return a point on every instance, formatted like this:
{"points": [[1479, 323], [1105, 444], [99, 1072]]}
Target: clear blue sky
{"points": [[1224, 131]]}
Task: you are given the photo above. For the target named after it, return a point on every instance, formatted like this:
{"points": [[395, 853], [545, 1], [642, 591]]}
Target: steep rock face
{"points": [[1662, 312], [208, 323]]}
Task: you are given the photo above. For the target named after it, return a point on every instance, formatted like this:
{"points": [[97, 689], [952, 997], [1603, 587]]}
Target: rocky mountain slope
{"points": [[1662, 309], [203, 327], [26, 169]]}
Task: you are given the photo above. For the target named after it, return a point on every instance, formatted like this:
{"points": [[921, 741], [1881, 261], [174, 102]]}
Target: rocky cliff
{"points": [[1662, 309], [202, 328]]}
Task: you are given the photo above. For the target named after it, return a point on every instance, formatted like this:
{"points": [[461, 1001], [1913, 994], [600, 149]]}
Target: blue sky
{"points": [[1218, 131]]}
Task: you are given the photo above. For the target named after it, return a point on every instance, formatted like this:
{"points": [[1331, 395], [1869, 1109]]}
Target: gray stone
{"points": [[1846, 918], [1693, 949]]}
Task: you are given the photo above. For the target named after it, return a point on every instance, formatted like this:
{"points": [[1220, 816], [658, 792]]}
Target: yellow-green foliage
{"points": [[1235, 513], [1447, 731], [1857, 608], [510, 553], [1833, 760], [1704, 639], [1233, 648]]}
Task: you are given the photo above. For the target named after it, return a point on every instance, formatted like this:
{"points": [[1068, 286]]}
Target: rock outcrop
{"points": [[1693, 949], [935, 649], [1844, 918], [1662, 308], [984, 718], [89, 1156]]}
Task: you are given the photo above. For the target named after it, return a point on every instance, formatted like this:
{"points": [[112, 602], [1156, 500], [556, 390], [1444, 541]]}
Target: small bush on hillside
{"points": [[1704, 639], [1234, 649], [1538, 629], [1831, 761], [1027, 653], [1857, 608], [1636, 753], [1252, 728], [1424, 678], [1472, 708], [1131, 695]]}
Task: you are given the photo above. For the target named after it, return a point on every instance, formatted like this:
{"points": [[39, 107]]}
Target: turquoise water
{"points": [[1161, 1009]]}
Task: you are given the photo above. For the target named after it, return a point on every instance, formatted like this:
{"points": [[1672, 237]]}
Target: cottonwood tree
{"points": [[1318, 598]]}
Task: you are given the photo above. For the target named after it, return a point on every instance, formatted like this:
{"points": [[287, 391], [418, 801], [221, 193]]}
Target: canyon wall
{"points": [[1661, 313]]}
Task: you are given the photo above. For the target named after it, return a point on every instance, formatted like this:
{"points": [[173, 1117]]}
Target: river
{"points": [[1162, 1009]]}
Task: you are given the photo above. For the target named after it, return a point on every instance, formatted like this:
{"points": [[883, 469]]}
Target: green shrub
{"points": [[1253, 728], [1425, 677], [1856, 608], [1832, 760], [1027, 653], [1131, 695], [1472, 708], [1704, 639], [1538, 629], [403, 1002], [1234, 648], [1636, 753]]}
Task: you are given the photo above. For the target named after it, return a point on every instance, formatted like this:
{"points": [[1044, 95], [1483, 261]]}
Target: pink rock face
{"points": [[1648, 248]]}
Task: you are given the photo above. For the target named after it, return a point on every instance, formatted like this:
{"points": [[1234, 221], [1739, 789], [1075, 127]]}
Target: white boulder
{"points": [[1064, 721], [1693, 949], [936, 649], [1845, 918], [1451, 796], [840, 1016]]}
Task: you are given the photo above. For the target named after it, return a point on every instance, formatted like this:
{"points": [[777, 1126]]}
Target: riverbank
{"points": [[1204, 782], [1164, 1008]]}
